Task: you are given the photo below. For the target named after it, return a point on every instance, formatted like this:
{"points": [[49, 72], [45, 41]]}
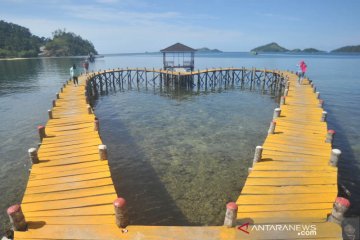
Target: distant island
{"points": [[18, 42], [276, 48], [207, 50], [347, 49]]}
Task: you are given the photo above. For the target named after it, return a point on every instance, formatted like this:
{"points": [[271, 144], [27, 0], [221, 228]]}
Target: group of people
{"points": [[74, 72], [301, 70]]}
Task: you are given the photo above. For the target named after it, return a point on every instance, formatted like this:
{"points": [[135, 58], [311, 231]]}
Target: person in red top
{"points": [[86, 66], [303, 68]]}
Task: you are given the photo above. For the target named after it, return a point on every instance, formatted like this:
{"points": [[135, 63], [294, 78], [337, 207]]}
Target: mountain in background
{"points": [[207, 50], [274, 47], [347, 49], [271, 47], [306, 50]]}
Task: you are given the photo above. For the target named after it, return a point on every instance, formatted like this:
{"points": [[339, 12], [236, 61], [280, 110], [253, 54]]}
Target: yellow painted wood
{"points": [[324, 229], [293, 182], [288, 189], [70, 185], [70, 192]]}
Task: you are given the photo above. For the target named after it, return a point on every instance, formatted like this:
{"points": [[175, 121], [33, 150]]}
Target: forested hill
{"points": [[68, 44], [17, 41]]}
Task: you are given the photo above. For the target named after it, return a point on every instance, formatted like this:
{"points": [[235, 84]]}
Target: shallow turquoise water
{"points": [[212, 131], [180, 160]]}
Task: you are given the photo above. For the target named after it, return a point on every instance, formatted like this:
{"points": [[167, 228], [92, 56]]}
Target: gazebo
{"points": [[178, 56]]}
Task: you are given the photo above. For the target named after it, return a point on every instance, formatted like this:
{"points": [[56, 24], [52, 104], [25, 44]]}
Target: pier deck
{"points": [[70, 192]]}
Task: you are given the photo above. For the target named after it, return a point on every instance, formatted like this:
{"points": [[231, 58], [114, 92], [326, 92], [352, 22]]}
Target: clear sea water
{"points": [[178, 158]]}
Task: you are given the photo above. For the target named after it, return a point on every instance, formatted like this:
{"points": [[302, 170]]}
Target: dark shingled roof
{"points": [[178, 47]]}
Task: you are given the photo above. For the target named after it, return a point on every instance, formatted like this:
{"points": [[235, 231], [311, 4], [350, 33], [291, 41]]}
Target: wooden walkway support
{"points": [[165, 81], [70, 193]]}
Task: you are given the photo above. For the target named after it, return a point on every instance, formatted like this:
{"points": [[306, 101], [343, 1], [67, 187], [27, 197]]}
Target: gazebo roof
{"points": [[178, 47]]}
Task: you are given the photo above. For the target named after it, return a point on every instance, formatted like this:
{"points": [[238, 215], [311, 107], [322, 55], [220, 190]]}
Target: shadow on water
{"points": [[137, 181]]}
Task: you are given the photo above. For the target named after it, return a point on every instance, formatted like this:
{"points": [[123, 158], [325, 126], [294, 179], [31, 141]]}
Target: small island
{"points": [[276, 48], [271, 47], [207, 50]]}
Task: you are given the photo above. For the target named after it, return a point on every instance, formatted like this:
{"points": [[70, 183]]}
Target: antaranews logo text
{"points": [[299, 229]]}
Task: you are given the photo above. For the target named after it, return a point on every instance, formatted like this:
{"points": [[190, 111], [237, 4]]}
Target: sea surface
{"points": [[176, 158]]}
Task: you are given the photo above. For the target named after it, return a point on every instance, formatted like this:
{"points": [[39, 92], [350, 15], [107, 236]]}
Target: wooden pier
{"points": [[70, 192]]}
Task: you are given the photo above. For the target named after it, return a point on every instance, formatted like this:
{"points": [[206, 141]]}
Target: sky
{"points": [[126, 26]]}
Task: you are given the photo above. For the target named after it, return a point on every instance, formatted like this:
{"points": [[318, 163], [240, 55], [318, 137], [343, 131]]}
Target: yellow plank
{"points": [[68, 194], [278, 181], [69, 167], [285, 199], [50, 175], [105, 199], [303, 189], [67, 179], [83, 211], [69, 186], [76, 220], [284, 207], [291, 174]]}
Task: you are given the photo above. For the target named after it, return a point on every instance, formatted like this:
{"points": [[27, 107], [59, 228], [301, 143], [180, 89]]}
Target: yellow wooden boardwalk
{"points": [[70, 192]]}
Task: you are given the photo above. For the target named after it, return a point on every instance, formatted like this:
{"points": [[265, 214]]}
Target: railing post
{"points": [[334, 157], [17, 218], [272, 127], [277, 112], [230, 215], [323, 116], [121, 213], [282, 100], [96, 125], [102, 152], [89, 109], [50, 114], [33, 155], [258, 154], [286, 91], [321, 103], [42, 133], [330, 136], [341, 205]]}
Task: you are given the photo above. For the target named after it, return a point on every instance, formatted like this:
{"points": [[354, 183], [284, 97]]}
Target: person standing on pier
{"points": [[302, 67], [74, 73], [86, 66]]}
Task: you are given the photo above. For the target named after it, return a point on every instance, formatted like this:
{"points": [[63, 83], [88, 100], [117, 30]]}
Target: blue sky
{"points": [[115, 26]]}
